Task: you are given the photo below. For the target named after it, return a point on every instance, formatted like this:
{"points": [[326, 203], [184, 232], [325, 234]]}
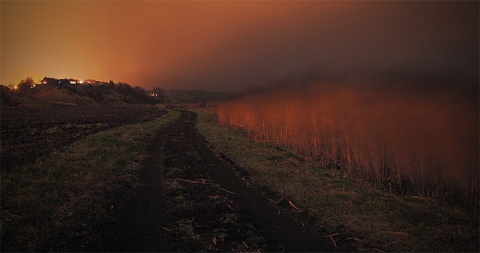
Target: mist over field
{"points": [[392, 133]]}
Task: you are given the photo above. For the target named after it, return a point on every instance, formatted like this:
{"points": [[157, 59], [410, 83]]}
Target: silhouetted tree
{"points": [[140, 94], [25, 86], [124, 89], [160, 98]]}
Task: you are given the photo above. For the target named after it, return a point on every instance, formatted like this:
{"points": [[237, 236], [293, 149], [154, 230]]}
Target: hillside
{"points": [[78, 94], [99, 94]]}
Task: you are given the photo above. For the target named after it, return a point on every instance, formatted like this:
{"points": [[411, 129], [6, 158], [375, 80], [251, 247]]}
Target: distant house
{"points": [[92, 81], [73, 81], [69, 81], [49, 80]]}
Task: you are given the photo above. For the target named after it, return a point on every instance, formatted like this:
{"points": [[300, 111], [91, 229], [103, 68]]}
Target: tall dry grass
{"points": [[418, 139]]}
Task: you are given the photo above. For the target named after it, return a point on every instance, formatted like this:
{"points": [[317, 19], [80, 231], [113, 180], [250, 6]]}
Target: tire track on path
{"points": [[209, 208], [277, 224], [137, 223], [147, 218]]}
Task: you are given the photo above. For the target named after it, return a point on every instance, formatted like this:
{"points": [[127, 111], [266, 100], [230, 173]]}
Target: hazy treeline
{"points": [[104, 93], [410, 138]]}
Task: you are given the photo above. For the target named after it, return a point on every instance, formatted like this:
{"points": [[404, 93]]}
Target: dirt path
{"points": [[191, 200]]}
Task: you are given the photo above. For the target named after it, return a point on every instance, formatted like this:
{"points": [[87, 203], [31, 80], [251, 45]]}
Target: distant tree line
{"points": [[100, 93]]}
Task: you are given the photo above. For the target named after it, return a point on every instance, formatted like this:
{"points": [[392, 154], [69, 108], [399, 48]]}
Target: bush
{"points": [[6, 97]]}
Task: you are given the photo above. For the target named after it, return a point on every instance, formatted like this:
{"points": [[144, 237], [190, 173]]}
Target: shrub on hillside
{"points": [[6, 97]]}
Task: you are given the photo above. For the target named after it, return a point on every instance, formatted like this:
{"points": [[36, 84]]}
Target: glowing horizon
{"points": [[235, 45]]}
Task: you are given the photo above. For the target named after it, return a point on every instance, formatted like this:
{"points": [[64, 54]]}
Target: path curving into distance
{"points": [[192, 200]]}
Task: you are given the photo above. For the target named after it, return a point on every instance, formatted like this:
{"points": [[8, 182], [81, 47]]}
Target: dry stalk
{"points": [[353, 238], [195, 182], [333, 241], [220, 188], [293, 205], [280, 200], [334, 234]]}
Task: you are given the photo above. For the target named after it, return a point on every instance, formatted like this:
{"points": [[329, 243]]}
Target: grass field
{"points": [[62, 201], [346, 209]]}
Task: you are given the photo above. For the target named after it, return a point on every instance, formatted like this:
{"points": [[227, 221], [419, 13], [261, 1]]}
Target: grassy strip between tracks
{"points": [[348, 209], [60, 202]]}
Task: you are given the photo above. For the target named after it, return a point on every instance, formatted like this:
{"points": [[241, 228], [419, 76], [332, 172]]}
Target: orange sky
{"points": [[234, 45]]}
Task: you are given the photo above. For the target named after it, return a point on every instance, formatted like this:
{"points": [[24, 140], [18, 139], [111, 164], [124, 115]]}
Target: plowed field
{"points": [[30, 132]]}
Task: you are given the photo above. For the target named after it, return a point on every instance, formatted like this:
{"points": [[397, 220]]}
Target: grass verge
{"points": [[348, 209], [62, 201]]}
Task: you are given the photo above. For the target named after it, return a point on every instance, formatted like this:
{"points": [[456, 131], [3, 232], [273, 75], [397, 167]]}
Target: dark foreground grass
{"points": [[348, 209], [62, 201]]}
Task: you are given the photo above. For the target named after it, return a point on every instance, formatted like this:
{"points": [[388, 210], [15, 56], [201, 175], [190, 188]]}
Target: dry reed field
{"points": [[418, 141]]}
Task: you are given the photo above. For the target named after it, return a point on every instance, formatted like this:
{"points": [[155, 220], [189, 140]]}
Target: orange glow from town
{"points": [[233, 45]]}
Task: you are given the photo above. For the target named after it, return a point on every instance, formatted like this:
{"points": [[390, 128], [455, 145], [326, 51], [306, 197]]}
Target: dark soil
{"points": [[193, 200], [30, 132]]}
